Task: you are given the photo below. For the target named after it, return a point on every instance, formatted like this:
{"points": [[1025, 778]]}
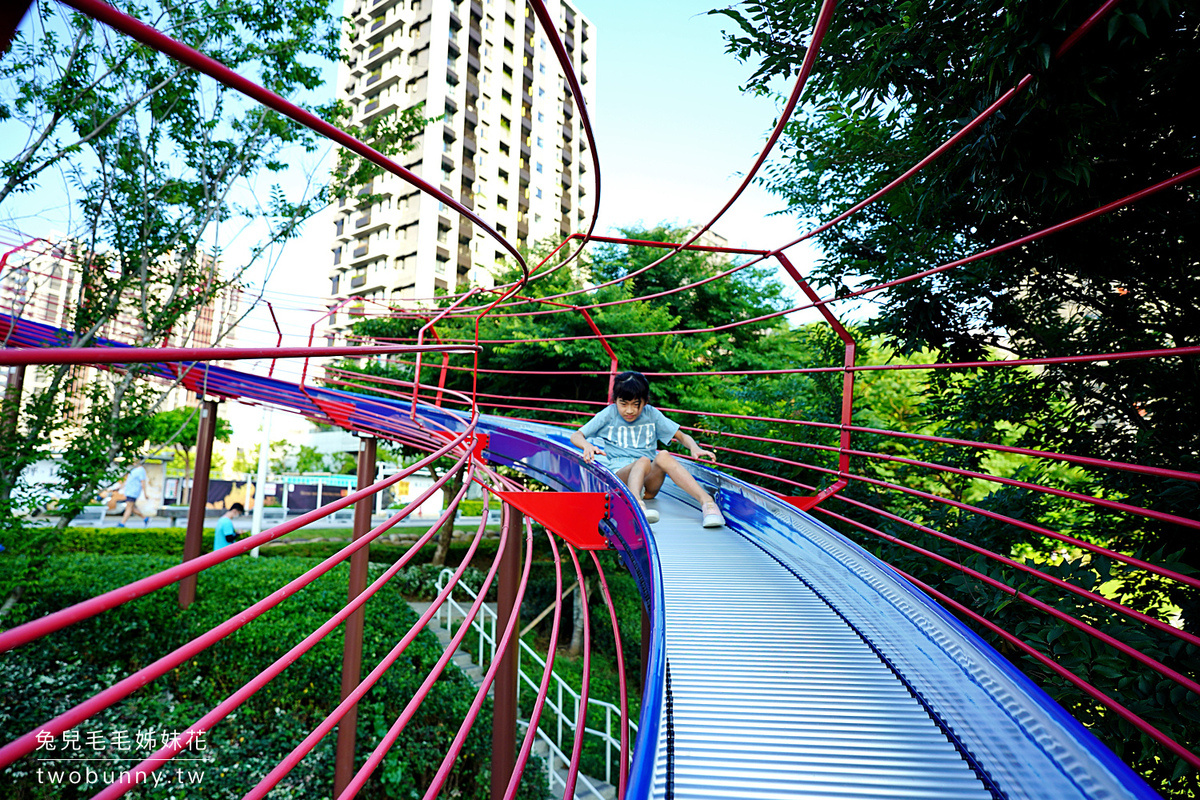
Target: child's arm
{"points": [[590, 451], [693, 448]]}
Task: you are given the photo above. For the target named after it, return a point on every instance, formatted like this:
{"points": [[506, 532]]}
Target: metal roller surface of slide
{"points": [[772, 695]]}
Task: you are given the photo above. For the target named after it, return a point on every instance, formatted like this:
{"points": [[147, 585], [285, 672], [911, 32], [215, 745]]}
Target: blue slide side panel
{"points": [[1027, 744]]}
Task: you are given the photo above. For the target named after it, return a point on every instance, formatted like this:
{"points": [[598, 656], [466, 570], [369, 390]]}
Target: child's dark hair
{"points": [[238, 507], [631, 386]]}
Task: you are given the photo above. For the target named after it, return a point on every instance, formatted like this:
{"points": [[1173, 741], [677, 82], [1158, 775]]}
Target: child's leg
{"points": [[666, 464], [634, 476]]}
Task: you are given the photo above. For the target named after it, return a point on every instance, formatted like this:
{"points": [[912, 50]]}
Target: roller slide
{"points": [[785, 661]]}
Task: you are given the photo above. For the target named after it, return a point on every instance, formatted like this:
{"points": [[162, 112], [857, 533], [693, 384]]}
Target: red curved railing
{"points": [[509, 302]]}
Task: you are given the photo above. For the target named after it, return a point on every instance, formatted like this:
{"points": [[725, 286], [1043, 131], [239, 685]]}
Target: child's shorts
{"points": [[617, 464]]}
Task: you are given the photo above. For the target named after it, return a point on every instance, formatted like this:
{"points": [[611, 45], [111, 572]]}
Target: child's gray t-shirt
{"points": [[625, 442]]}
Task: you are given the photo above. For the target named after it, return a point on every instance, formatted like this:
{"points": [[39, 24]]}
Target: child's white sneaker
{"points": [[712, 515], [651, 514]]}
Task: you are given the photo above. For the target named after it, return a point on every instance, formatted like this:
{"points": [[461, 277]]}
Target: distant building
{"points": [[510, 147], [43, 284]]}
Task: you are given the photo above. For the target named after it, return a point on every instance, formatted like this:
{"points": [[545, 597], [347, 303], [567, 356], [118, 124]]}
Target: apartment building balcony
{"points": [[423, 37], [358, 281], [375, 55], [569, 41], [476, 9], [528, 72], [567, 133], [362, 221], [464, 257], [522, 230], [360, 252], [474, 35], [566, 179], [442, 253], [566, 156], [523, 174]]}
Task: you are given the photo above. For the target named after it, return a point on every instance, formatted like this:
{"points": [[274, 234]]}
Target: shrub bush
{"points": [[39, 682]]}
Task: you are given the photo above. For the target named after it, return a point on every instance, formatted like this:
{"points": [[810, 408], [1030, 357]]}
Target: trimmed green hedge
{"points": [[39, 682]]}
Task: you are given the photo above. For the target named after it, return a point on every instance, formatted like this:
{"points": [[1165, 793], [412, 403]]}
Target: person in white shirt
{"points": [[132, 491]]}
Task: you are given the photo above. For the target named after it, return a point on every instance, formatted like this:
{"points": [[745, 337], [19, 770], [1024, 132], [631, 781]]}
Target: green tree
{"points": [[1101, 122], [153, 157], [515, 339], [178, 429]]}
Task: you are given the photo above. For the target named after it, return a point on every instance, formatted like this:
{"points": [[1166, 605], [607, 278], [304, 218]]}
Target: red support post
{"points": [[198, 502], [504, 689], [343, 770]]}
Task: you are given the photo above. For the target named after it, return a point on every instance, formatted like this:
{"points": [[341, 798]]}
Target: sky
{"points": [[675, 136]]}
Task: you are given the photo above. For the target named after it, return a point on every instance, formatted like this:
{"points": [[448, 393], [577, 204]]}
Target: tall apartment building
{"points": [[510, 147]]}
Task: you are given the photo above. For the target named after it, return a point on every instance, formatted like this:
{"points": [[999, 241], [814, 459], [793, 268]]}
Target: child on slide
{"points": [[627, 432]]}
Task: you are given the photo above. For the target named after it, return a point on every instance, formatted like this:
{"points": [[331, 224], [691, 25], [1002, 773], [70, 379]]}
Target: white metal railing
{"points": [[485, 625]]}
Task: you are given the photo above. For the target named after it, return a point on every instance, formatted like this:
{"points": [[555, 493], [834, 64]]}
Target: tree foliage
{"points": [[154, 158], [1107, 119], [517, 337]]}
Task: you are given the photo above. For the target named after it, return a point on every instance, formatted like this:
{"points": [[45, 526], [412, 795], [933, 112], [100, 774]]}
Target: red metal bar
{"points": [[939, 151], [159, 758], [1079, 683], [35, 629], [584, 682], [148, 355], [376, 757], [1046, 608], [507, 642], [1094, 597], [421, 337], [102, 700], [550, 31], [298, 753], [1166, 573]]}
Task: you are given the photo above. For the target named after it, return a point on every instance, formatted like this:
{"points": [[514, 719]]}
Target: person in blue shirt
{"points": [[624, 437], [132, 489], [225, 534]]}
